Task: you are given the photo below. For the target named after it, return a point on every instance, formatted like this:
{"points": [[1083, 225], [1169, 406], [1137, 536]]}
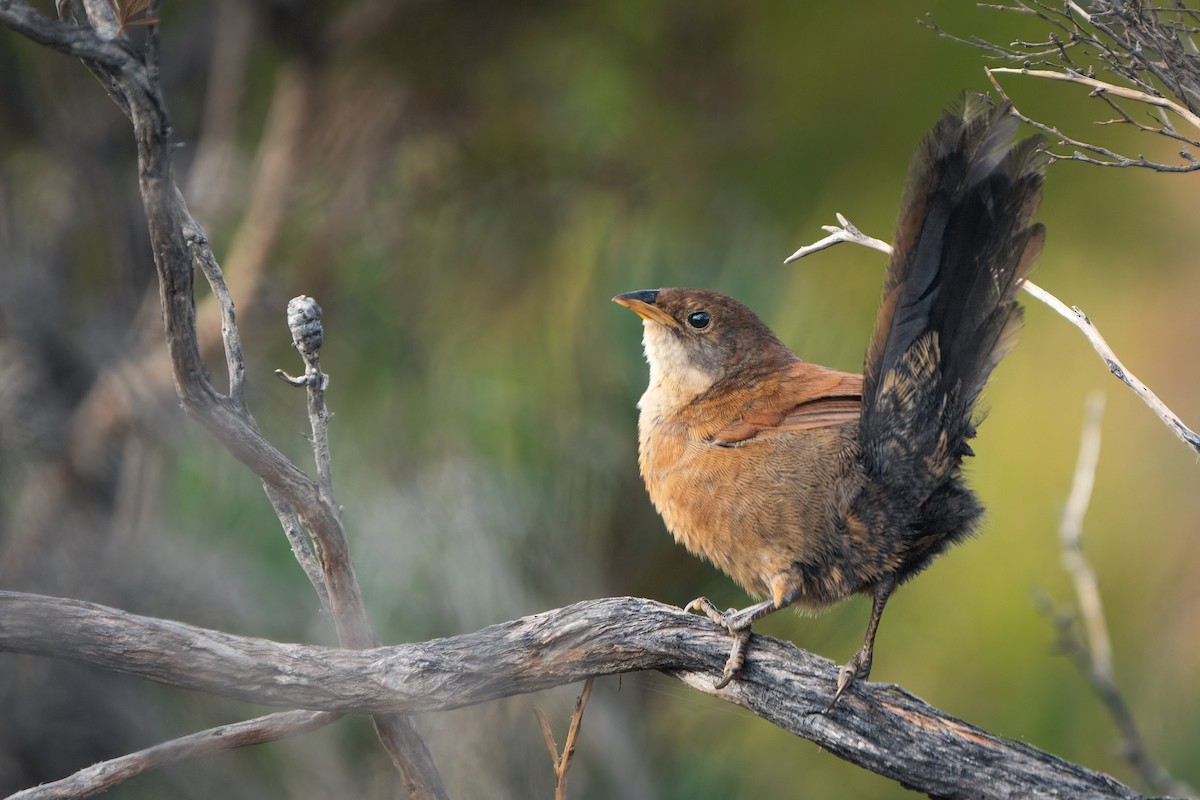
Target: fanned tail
{"points": [[964, 244]]}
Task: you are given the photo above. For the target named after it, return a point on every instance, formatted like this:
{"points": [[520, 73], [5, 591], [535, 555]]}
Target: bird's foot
{"points": [[732, 619], [857, 668], [738, 625]]}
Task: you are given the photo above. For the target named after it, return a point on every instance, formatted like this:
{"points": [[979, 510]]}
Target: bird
{"points": [[808, 485]]}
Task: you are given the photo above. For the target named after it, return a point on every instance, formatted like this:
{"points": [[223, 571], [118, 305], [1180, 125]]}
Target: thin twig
{"points": [[1167, 129], [152, 43], [302, 548], [844, 231], [1080, 320], [1139, 57], [562, 761], [304, 321], [235, 362], [1087, 592], [849, 233], [1150, 59], [1093, 654], [105, 775], [1115, 158], [1101, 86], [568, 754], [548, 737]]}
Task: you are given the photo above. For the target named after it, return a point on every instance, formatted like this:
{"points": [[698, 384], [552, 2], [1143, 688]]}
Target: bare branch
{"points": [[1074, 315], [991, 49], [1102, 86], [235, 361], [1148, 51], [548, 737], [1114, 159], [562, 761], [178, 241], [879, 727], [576, 725], [301, 546], [106, 774], [1166, 129], [844, 231], [62, 36], [1087, 591], [304, 321], [1093, 655]]}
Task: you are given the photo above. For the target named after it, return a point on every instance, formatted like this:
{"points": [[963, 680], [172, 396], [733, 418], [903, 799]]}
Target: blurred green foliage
{"points": [[477, 180]]}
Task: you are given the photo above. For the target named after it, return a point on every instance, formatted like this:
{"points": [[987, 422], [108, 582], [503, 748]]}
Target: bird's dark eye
{"points": [[699, 319]]}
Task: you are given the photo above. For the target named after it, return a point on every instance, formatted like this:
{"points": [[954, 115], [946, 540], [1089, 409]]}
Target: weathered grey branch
{"points": [[878, 727], [179, 243], [62, 36], [301, 546], [308, 334], [105, 775]]}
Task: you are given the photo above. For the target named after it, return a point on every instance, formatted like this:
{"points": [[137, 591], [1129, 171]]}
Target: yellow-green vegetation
{"points": [[476, 181]]}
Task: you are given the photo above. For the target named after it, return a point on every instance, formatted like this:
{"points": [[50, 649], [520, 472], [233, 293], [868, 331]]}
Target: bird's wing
{"points": [[807, 396]]}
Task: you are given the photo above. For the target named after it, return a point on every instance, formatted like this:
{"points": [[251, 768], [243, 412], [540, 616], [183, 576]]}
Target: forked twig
{"points": [[1092, 653], [1145, 50], [1115, 159], [180, 246], [562, 761], [844, 231], [1098, 86]]}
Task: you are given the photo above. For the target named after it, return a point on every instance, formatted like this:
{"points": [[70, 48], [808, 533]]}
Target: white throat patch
{"points": [[674, 381]]}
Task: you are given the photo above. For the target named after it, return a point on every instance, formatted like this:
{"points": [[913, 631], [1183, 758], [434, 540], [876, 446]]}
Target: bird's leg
{"points": [[738, 624], [859, 665]]}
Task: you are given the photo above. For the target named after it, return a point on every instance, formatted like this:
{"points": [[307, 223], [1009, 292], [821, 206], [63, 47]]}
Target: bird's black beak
{"points": [[642, 304]]}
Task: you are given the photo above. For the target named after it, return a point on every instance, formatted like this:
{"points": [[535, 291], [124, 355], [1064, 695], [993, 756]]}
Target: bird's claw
{"points": [[737, 658], [857, 668], [738, 629]]}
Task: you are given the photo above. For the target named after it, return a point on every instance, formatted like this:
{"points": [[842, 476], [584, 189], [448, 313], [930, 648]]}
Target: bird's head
{"points": [[695, 338]]}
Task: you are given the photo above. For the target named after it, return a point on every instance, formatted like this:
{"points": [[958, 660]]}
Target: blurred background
{"points": [[463, 186]]}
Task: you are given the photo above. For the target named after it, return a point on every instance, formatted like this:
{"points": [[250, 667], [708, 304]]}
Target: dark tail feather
{"points": [[964, 243]]}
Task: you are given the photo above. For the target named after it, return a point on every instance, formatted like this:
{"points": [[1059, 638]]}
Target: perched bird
{"points": [[805, 484]]}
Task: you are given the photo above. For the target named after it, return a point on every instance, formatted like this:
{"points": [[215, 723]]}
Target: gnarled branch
{"points": [[878, 727], [179, 244]]}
